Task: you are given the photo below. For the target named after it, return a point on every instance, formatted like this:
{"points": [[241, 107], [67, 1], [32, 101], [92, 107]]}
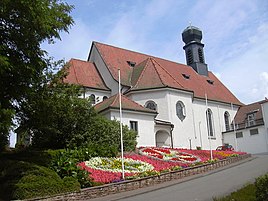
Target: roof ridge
{"points": [[167, 73], [152, 60], [115, 97], [148, 55], [141, 75]]}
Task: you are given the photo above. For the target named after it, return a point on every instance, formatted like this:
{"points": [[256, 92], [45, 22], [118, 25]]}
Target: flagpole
{"points": [[121, 127], [209, 137], [236, 148]]}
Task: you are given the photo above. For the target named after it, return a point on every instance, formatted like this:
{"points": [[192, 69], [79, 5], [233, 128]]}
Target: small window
{"points": [[239, 134], [187, 77], [254, 131], [131, 63], [92, 99], [151, 105], [210, 82], [180, 110], [104, 98], [134, 125]]}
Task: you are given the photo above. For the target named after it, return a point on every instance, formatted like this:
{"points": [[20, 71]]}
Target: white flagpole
{"points": [[236, 148], [121, 127], [209, 137]]}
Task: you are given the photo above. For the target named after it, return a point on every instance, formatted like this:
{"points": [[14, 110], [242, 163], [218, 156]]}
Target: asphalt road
{"points": [[200, 187]]}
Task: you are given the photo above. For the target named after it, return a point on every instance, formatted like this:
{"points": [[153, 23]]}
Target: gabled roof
{"points": [[153, 72], [84, 73], [243, 111], [127, 104]]}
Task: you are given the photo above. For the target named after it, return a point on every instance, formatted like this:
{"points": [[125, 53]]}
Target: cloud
{"points": [[246, 73]]}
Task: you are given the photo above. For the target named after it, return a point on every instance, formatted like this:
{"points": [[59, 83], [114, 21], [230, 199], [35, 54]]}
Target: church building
{"points": [[169, 104]]}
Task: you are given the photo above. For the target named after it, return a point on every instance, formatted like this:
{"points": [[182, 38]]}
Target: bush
{"points": [[23, 180], [261, 184], [105, 134], [64, 163]]}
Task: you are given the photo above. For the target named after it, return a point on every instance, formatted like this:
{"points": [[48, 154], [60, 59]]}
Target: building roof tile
{"points": [[84, 73], [127, 104], [243, 111], [153, 72]]}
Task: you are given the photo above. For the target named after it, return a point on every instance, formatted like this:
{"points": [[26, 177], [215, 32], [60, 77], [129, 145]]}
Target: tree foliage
{"points": [[24, 25], [105, 134], [53, 114]]}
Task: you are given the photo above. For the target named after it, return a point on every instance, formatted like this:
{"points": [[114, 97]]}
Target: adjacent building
{"points": [[250, 133]]}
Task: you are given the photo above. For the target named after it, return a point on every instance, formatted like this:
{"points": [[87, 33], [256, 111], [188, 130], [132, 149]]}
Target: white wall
{"points": [[105, 73], [249, 143], [194, 126], [99, 94], [145, 121]]}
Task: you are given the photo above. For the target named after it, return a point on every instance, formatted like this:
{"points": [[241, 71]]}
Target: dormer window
{"points": [[251, 119], [210, 82], [131, 63], [187, 77]]}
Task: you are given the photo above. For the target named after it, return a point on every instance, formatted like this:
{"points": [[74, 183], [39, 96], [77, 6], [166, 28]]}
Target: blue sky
{"points": [[235, 34]]}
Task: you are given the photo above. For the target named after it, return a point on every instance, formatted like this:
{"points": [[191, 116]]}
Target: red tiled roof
{"points": [[84, 73], [153, 72], [127, 104], [243, 111]]}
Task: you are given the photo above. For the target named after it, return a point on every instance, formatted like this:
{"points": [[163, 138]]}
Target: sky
{"points": [[235, 34]]}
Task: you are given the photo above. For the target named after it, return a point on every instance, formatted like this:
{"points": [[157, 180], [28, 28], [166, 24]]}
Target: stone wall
{"points": [[113, 188]]}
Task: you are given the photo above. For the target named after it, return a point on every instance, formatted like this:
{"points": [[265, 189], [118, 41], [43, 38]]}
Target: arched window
{"points": [[104, 98], [151, 105], [92, 99], [210, 123], [189, 57], [180, 110], [200, 55], [227, 120]]}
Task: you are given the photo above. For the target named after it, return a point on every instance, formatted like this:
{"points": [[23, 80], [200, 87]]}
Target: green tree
{"points": [[24, 25], [105, 134], [53, 114]]}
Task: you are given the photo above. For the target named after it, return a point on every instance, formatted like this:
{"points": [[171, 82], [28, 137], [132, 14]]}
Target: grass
{"points": [[247, 193]]}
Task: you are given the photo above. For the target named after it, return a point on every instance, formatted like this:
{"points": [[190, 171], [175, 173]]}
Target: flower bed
{"points": [[149, 160]]}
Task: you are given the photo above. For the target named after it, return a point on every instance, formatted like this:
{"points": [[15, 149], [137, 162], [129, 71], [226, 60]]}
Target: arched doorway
{"points": [[162, 138]]}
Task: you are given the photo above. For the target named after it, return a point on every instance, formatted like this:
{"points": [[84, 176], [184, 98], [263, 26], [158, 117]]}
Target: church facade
{"points": [[169, 104]]}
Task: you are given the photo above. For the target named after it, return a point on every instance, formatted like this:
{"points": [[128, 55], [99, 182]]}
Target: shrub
{"points": [[23, 180], [106, 134], [261, 184], [64, 163]]}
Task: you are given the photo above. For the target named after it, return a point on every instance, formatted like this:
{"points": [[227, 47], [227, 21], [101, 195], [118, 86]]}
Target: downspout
{"points": [[171, 135]]}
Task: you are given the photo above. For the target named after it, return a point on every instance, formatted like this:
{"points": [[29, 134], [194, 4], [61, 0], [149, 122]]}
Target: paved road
{"points": [[199, 187]]}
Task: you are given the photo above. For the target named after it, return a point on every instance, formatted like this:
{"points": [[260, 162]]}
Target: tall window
{"points": [[200, 55], [227, 121], [210, 123], [151, 105], [134, 125], [180, 110], [92, 99], [189, 57]]}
